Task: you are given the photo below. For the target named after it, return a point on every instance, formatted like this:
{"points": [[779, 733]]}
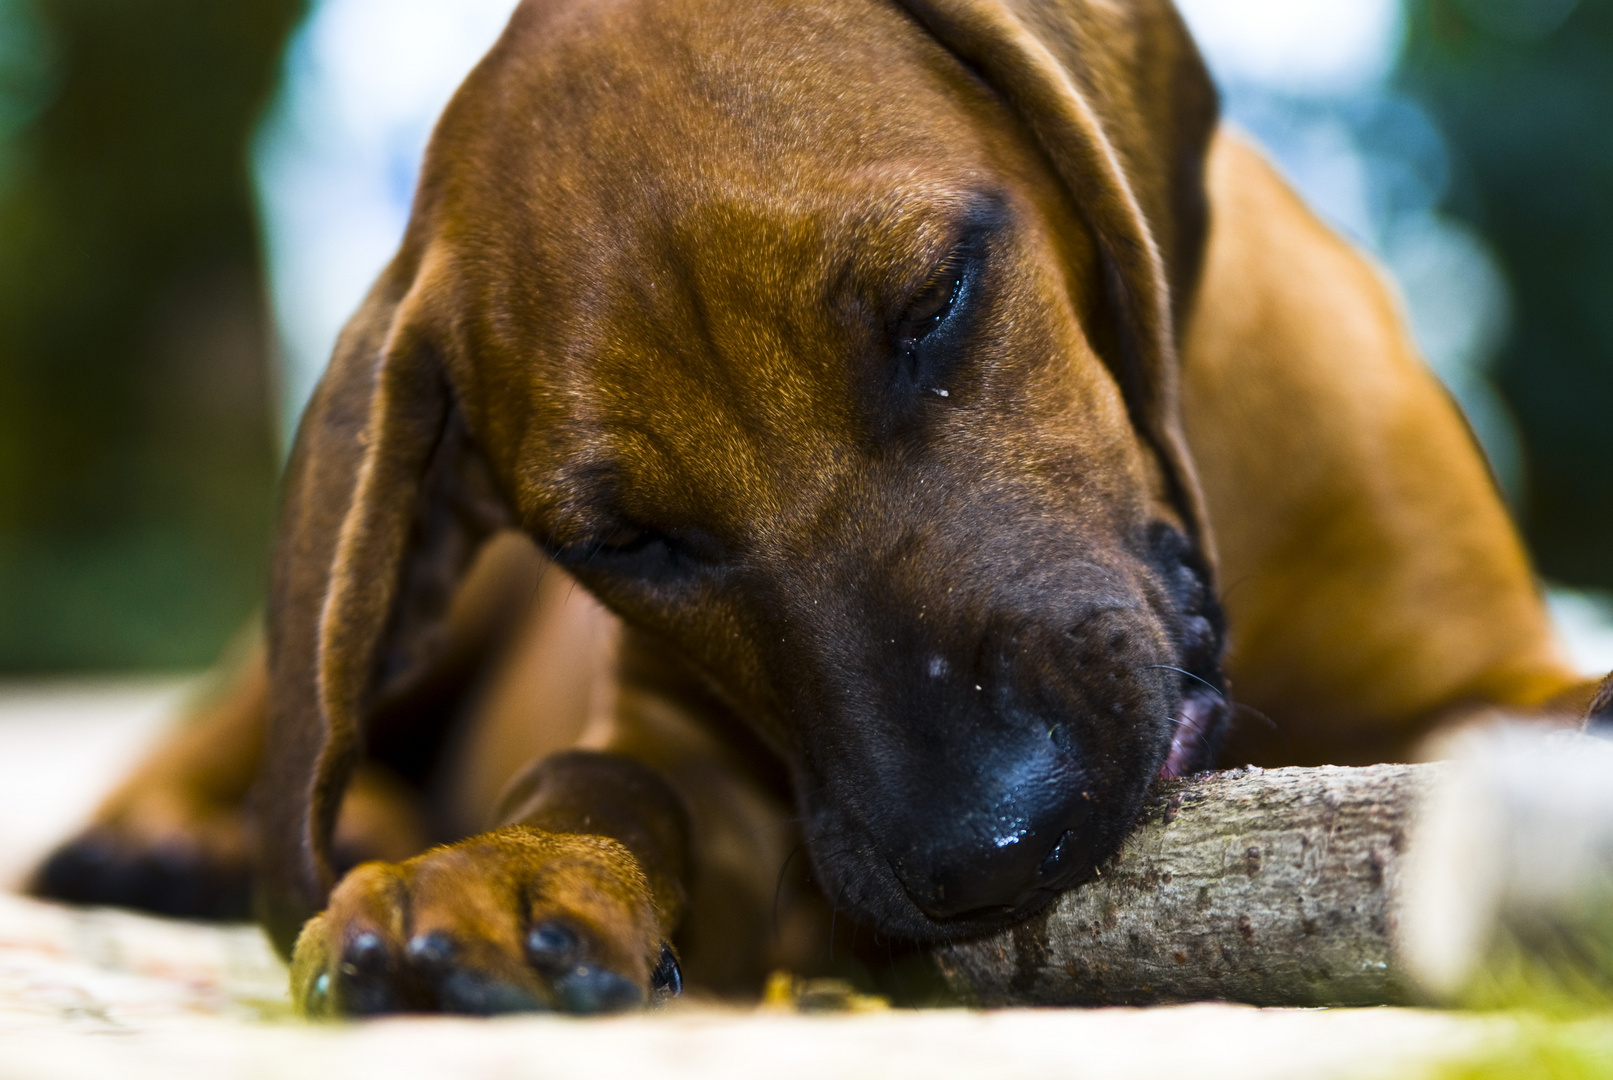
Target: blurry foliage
{"points": [[1523, 92], [1538, 1049], [137, 460]]}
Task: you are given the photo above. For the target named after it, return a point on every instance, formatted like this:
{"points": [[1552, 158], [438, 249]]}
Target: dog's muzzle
{"points": [[959, 780]]}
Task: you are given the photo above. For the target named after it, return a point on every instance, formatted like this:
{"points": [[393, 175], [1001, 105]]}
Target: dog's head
{"points": [[831, 344]]}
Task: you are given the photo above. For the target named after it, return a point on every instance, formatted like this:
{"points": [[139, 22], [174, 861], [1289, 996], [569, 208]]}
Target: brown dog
{"points": [[914, 383]]}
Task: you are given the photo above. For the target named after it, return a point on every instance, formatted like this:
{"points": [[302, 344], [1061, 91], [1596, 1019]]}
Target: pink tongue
{"points": [[1189, 730]]}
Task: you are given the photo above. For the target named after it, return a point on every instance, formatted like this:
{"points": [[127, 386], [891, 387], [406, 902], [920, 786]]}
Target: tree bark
{"points": [[1272, 887]]}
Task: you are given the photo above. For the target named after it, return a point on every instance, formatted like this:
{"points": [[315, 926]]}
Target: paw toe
{"points": [[588, 990], [552, 946], [667, 978], [457, 986], [369, 979], [432, 954]]}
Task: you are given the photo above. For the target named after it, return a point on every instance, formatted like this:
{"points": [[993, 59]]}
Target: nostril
{"points": [[1063, 741], [1056, 863]]}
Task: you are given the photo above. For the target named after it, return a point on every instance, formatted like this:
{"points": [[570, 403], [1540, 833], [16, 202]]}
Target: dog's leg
{"points": [[174, 837], [573, 901], [535, 700]]}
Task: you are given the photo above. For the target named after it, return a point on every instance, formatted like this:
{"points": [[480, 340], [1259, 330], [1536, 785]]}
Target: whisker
{"points": [[779, 823], [1166, 667], [778, 886], [1242, 707]]}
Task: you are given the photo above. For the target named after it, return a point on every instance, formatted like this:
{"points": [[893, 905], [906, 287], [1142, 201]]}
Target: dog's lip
{"points": [[984, 920]]}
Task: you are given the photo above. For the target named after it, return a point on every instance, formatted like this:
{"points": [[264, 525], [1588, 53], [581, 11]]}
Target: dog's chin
{"points": [[893, 915], [987, 921]]}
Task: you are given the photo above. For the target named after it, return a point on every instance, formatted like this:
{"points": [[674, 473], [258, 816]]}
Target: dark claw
{"points": [[371, 979], [434, 957], [367, 955], [318, 1003], [366, 979], [553, 946], [588, 990], [1599, 719], [667, 978]]}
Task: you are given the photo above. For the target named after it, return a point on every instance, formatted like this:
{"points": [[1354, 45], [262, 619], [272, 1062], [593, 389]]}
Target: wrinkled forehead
{"points": [[599, 124], [631, 82], [620, 181]]}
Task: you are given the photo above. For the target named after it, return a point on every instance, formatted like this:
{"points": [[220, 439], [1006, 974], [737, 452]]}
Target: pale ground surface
{"points": [[100, 993]]}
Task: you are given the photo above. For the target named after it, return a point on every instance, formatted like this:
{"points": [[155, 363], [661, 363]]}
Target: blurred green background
{"points": [[139, 405], [1523, 92], [137, 440]]}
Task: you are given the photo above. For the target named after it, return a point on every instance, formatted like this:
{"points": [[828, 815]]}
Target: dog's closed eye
{"points": [[637, 551], [929, 338], [933, 303]]}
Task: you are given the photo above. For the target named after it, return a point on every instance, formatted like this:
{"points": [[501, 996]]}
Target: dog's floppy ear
{"points": [[386, 501], [1118, 99]]}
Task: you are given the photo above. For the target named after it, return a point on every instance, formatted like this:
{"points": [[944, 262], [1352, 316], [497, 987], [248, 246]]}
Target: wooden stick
{"points": [[1272, 887]]}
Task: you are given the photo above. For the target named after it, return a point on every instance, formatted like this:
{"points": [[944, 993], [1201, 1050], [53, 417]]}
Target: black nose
{"points": [[969, 869]]}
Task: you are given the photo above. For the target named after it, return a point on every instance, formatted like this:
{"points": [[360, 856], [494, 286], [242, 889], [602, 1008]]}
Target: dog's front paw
{"points": [[516, 920]]}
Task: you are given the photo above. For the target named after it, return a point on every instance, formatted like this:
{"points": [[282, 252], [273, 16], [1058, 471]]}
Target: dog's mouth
{"points": [[1204, 712], [1201, 721]]}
